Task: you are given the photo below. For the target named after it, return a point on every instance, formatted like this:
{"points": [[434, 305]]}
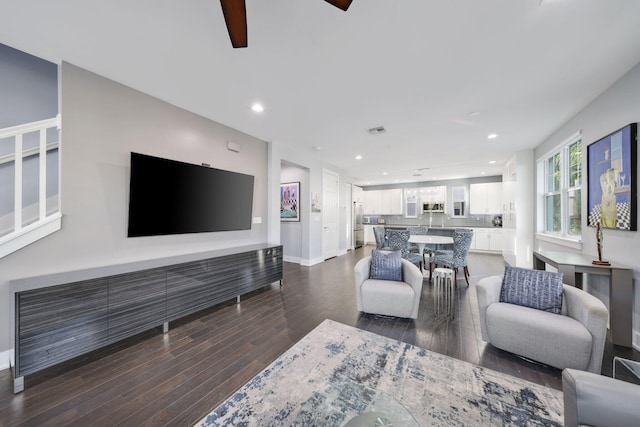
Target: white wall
{"points": [[617, 106], [28, 92], [303, 157], [102, 122], [29, 88], [292, 234]]}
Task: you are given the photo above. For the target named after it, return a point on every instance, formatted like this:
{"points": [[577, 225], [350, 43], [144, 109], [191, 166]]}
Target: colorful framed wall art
{"points": [[290, 202], [611, 169]]}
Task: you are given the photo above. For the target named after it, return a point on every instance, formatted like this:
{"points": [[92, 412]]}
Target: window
{"points": [[561, 190], [411, 203], [459, 201]]}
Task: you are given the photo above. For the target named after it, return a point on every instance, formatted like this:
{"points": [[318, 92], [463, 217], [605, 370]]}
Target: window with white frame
{"points": [[561, 182]]}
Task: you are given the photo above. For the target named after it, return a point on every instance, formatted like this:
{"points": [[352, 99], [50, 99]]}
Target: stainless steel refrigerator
{"points": [[358, 227]]}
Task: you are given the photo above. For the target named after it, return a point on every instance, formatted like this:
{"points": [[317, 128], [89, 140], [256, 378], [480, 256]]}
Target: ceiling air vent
{"points": [[377, 130]]}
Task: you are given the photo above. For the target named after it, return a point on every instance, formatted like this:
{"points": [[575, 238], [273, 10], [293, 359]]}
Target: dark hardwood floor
{"points": [[177, 378]]}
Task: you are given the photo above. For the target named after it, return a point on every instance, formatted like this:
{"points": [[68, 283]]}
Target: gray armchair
{"points": [[573, 339], [596, 400], [389, 298]]}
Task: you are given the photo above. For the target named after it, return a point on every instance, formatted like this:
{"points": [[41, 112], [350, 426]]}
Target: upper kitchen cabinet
{"points": [[383, 202], [392, 202], [372, 202], [485, 198]]}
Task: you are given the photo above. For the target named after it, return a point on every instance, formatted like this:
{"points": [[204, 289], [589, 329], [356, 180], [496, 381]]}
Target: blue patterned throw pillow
{"points": [[386, 265], [532, 288]]}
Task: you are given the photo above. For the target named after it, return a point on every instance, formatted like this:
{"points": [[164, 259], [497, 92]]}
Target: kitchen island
{"points": [[485, 239]]}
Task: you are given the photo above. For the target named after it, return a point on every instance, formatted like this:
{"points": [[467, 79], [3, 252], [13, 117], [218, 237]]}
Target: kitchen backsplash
{"points": [[434, 219]]}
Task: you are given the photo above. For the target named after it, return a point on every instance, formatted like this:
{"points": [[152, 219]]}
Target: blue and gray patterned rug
{"points": [[337, 373]]}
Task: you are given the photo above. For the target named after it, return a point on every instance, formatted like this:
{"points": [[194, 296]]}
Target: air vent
{"points": [[377, 130]]}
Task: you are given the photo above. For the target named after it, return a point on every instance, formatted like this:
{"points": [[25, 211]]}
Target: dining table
{"points": [[422, 240]]}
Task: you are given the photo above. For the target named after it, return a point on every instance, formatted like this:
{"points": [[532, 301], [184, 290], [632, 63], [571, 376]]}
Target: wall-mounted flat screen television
{"points": [[171, 197]]}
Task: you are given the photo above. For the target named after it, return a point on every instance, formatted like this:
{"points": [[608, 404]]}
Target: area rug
{"points": [[337, 373]]}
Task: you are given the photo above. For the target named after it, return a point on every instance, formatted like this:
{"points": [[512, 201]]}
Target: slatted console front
{"points": [[59, 322]]}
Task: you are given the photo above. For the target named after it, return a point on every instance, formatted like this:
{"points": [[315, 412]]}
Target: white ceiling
{"points": [[417, 67]]}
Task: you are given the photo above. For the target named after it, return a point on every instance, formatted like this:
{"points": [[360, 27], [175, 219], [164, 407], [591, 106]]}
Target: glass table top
{"points": [[626, 370], [353, 405]]}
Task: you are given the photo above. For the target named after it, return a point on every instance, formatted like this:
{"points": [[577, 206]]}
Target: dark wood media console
{"points": [[60, 321]]}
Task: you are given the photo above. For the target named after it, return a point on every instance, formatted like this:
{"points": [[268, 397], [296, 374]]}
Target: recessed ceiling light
{"points": [[435, 177], [474, 114], [317, 148], [482, 173], [258, 108], [385, 173], [492, 136], [358, 157], [491, 162]]}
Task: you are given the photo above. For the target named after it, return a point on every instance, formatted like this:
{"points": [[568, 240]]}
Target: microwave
{"points": [[433, 207]]}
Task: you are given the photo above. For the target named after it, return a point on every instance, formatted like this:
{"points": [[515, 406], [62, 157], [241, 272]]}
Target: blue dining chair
{"points": [[381, 239], [398, 240], [420, 230], [456, 258]]}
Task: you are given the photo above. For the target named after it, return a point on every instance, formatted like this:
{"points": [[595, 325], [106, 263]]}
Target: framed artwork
{"points": [[290, 201], [611, 169], [315, 202]]}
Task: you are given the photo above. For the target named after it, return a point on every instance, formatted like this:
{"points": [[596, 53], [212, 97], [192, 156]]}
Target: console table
{"points": [[573, 266], [62, 316]]}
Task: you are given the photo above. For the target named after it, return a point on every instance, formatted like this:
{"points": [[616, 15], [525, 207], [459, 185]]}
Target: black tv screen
{"points": [[171, 197]]}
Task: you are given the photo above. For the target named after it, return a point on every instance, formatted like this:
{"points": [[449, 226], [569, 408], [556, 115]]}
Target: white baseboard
{"points": [[310, 262], [6, 359], [342, 252], [302, 261], [293, 259]]}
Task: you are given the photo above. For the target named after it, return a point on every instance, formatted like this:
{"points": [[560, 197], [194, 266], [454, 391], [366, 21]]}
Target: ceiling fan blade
{"points": [[235, 15], [341, 4]]}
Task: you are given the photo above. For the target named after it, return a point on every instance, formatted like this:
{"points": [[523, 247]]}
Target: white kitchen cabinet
{"points": [[487, 240], [485, 198], [392, 202], [496, 241], [372, 204], [369, 237], [383, 202]]}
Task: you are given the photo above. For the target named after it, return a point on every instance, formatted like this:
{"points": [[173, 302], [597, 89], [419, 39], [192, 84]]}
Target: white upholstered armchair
{"points": [[573, 339], [388, 297]]}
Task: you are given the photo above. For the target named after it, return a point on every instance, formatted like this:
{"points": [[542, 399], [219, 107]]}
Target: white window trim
{"points": [[561, 238], [563, 241]]}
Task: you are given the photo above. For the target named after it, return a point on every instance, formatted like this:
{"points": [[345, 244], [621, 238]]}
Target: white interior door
{"points": [[348, 213], [330, 214]]}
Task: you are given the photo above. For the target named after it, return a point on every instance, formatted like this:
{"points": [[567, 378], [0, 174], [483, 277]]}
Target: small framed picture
{"points": [[290, 202]]}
